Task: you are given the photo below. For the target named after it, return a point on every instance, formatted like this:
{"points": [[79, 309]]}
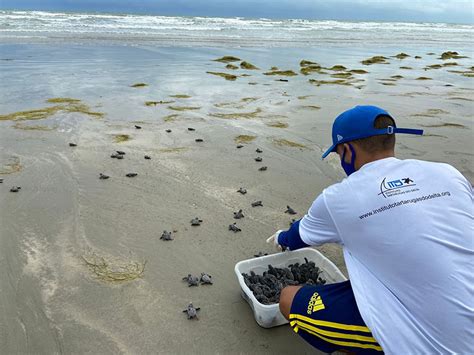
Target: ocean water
{"points": [[34, 26]]}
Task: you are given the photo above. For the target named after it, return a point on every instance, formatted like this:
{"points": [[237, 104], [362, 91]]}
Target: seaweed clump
{"points": [[451, 55], [181, 96], [65, 105], [309, 69], [358, 71], [329, 82], [12, 166], [247, 65], [226, 76], [138, 85], [277, 124], [120, 138], [184, 108], [305, 63], [231, 66], [378, 59], [337, 68], [423, 78], [401, 56], [227, 59], [287, 143], [243, 138], [281, 72], [62, 100], [154, 103], [114, 270], [237, 115]]}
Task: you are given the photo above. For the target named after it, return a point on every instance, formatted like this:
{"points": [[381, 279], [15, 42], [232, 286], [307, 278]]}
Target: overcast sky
{"points": [[452, 11]]}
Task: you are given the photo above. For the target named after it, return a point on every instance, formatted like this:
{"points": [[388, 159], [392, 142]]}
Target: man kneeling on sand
{"points": [[406, 228]]}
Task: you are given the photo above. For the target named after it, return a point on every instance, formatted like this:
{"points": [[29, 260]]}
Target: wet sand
{"points": [[52, 302]]}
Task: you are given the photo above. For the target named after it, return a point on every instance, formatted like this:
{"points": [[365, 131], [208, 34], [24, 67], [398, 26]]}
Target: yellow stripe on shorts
{"points": [[338, 342], [357, 328], [335, 334]]}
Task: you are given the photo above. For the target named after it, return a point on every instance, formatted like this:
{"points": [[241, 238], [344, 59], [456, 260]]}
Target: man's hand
{"points": [[274, 240]]}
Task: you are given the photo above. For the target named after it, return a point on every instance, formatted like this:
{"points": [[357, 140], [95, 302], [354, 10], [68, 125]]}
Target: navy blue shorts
{"points": [[327, 317]]}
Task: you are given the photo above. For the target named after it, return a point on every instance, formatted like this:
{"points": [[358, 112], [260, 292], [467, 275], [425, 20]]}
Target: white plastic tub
{"points": [[268, 316]]}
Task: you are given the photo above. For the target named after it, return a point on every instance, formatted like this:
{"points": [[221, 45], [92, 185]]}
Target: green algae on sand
{"points": [[226, 76], [277, 124], [451, 55], [305, 63], [184, 108], [358, 71], [342, 75], [247, 65], [19, 125], [337, 67], [138, 85], [161, 102], [114, 270], [231, 66], [244, 138], [12, 166], [423, 78], [237, 115], [329, 82], [281, 72], [406, 68], [313, 68], [287, 143], [62, 100], [401, 56], [173, 150], [378, 59], [120, 138], [227, 59], [45, 112], [181, 96], [170, 118]]}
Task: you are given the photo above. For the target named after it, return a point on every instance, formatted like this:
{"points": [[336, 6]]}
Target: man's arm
{"points": [[315, 228]]}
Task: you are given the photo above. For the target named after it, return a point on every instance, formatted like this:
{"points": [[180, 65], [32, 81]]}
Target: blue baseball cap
{"points": [[358, 123]]}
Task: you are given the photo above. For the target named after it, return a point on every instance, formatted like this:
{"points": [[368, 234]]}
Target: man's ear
{"points": [[347, 149]]}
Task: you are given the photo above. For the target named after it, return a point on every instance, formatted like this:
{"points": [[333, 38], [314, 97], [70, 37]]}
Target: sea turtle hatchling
{"points": [[206, 279], [196, 221], [257, 204], [191, 129], [263, 168], [290, 210], [1, 181], [103, 176], [130, 175], [191, 280], [239, 146], [238, 214], [138, 127], [192, 311], [233, 227], [260, 254], [259, 159], [147, 157], [166, 236], [242, 191], [168, 131], [258, 150], [199, 140], [119, 152], [72, 144], [15, 189]]}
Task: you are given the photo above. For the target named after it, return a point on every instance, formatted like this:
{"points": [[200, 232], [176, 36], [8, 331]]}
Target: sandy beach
{"points": [[54, 302]]}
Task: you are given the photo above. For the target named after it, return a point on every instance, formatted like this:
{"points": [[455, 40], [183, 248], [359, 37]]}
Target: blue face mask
{"points": [[349, 168]]}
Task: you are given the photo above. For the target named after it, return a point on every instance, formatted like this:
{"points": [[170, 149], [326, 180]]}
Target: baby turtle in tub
{"points": [[257, 204], [290, 210], [206, 279], [131, 175], [196, 221], [192, 311], [263, 168], [258, 159], [166, 236], [233, 227], [103, 176], [191, 280], [15, 189], [238, 214], [242, 191]]}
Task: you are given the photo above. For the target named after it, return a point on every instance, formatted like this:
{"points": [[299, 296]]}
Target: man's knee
{"points": [[286, 299]]}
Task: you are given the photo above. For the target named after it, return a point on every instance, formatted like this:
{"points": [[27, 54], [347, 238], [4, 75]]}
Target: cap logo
{"points": [[339, 138]]}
